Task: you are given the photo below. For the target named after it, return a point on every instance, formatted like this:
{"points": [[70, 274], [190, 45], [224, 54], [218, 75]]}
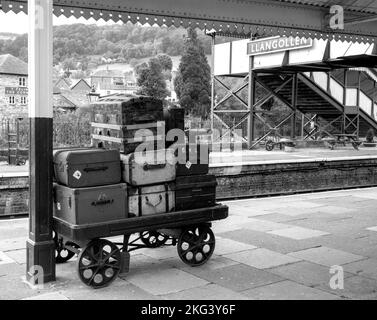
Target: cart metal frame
{"points": [[101, 261]]}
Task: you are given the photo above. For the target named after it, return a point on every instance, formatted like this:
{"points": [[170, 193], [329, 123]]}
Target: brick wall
{"points": [[14, 196], [273, 179]]}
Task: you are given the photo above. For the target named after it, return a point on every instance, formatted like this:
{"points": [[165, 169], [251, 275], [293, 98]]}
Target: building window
{"points": [[23, 100], [22, 82], [12, 100]]}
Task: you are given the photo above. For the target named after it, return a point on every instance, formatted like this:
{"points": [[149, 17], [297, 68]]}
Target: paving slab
{"points": [[298, 233], [357, 288], [48, 297], [119, 290], [288, 290], [366, 268], [264, 225], [13, 244], [270, 241], [12, 270], [326, 256], [306, 273], [225, 246], [262, 258], [160, 280], [5, 259], [238, 278], [17, 255], [210, 291]]}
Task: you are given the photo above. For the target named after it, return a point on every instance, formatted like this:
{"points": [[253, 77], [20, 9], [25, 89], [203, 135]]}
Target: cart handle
{"points": [[153, 205]]}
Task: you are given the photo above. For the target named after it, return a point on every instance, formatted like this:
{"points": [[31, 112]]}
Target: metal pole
{"points": [[40, 245], [252, 91], [213, 43], [294, 105]]}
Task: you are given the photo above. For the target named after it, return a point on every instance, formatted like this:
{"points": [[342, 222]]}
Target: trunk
{"points": [[141, 169], [83, 168], [195, 192], [90, 205], [193, 159], [151, 200]]}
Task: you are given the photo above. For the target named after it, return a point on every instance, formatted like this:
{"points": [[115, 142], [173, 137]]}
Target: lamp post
{"points": [[40, 245]]}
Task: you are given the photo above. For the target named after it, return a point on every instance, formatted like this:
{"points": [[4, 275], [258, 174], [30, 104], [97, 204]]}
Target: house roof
{"points": [[75, 83], [11, 65], [107, 73]]}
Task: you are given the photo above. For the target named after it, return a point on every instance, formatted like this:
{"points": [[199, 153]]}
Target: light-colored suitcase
{"points": [[151, 200], [149, 168]]}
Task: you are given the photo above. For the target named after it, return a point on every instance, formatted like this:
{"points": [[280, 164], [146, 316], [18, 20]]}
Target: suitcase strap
{"points": [[102, 202]]}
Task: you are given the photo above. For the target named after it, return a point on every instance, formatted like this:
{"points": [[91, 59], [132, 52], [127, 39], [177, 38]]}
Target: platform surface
{"points": [[271, 248], [245, 157]]}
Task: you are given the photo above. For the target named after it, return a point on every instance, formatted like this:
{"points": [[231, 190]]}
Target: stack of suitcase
{"points": [[113, 180], [88, 186]]}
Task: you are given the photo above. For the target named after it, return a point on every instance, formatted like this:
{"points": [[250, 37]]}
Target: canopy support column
{"points": [[40, 245]]}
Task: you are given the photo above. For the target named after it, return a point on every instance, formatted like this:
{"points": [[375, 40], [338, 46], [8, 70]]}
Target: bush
{"points": [[370, 136]]}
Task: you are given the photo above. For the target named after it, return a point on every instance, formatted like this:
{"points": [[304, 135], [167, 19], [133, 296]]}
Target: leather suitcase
{"points": [[141, 169], [192, 159], [127, 110], [150, 200], [90, 205], [195, 192], [83, 168]]}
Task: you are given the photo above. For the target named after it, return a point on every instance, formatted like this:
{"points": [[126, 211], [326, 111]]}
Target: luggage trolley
{"points": [[101, 261]]}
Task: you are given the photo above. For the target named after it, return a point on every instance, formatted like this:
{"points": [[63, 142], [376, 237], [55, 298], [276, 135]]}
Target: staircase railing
{"points": [[348, 96]]}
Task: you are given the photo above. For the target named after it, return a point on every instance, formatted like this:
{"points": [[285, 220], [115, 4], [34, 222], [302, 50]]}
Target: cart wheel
{"points": [[99, 263], [269, 145], [196, 245], [153, 239], [62, 255]]}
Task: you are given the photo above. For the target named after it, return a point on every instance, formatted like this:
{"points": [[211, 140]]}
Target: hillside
{"points": [[88, 44]]}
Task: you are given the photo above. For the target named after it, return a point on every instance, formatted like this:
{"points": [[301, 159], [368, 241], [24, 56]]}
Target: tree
{"points": [[193, 81], [166, 62], [150, 79]]}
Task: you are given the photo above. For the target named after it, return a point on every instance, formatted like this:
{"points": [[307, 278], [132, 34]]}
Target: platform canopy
{"points": [[308, 18]]}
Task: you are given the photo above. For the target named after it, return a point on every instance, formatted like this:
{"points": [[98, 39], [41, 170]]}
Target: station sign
{"points": [[16, 91], [277, 44]]}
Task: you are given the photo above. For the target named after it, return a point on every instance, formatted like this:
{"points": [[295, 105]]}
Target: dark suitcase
{"points": [[90, 205], [195, 192], [174, 119], [192, 159], [127, 110], [83, 168]]}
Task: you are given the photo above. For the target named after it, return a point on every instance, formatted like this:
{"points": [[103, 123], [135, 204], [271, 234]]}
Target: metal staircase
{"points": [[327, 104]]}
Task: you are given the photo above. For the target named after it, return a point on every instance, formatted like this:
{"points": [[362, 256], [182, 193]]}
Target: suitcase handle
{"points": [[153, 205], [102, 202], [148, 166], [96, 169]]}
